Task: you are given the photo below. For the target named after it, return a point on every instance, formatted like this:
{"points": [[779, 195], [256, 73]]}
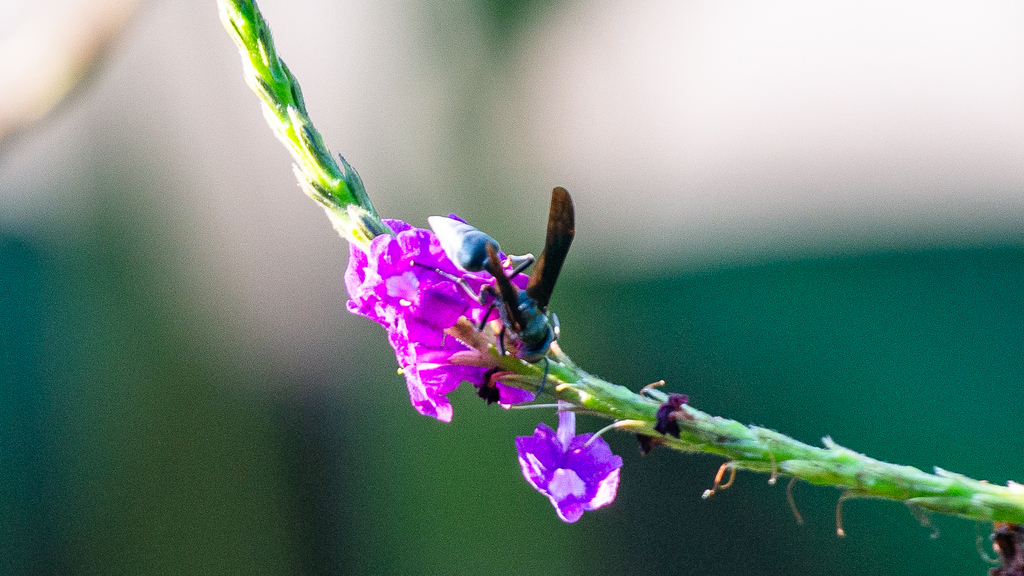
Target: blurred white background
{"points": [[688, 132]]}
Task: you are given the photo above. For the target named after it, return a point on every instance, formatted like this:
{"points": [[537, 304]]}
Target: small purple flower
{"points": [[396, 283], [576, 474]]}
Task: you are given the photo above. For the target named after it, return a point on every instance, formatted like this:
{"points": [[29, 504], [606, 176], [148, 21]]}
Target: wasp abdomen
{"points": [[464, 244]]}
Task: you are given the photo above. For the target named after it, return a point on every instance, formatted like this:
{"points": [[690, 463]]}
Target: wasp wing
{"points": [[509, 293], [561, 230]]}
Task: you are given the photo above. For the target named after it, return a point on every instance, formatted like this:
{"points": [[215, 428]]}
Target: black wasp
{"points": [[524, 313]]}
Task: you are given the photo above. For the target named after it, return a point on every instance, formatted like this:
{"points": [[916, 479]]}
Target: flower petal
{"points": [[396, 283], [577, 477]]}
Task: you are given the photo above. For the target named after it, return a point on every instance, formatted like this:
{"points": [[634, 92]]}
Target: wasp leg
{"points": [[487, 289], [555, 328], [483, 321], [544, 378], [528, 261], [501, 341], [461, 282]]}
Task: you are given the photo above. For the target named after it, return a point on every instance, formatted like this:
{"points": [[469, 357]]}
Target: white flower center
{"points": [[403, 286], [565, 482]]}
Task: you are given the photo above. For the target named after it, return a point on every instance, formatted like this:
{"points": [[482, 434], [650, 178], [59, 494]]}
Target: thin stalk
{"points": [[767, 451], [337, 188]]}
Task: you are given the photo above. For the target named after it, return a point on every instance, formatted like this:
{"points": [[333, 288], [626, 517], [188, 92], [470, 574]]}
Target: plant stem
{"points": [[338, 189], [762, 450]]}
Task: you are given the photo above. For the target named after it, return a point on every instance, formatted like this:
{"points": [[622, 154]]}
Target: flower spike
{"points": [[400, 277]]}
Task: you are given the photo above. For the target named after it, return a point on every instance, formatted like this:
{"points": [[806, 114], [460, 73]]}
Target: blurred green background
{"points": [[184, 393]]}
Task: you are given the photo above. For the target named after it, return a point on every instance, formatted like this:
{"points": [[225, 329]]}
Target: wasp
{"points": [[524, 313]]}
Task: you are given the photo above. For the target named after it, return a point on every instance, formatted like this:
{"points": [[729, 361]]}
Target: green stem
{"points": [[762, 450], [338, 189]]}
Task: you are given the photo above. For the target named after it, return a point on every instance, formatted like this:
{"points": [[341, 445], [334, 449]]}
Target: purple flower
{"points": [[575, 473], [396, 283]]}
